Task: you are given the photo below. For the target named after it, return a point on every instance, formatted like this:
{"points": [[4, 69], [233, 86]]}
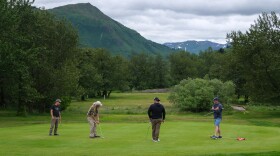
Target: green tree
{"points": [[160, 73], [37, 53], [101, 73], [183, 65], [258, 51], [140, 69]]}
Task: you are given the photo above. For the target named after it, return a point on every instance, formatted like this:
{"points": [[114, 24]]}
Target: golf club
{"points": [[148, 130], [100, 129], [208, 113]]}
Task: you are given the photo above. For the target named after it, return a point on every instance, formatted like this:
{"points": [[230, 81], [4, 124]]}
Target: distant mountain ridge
{"points": [[195, 46], [96, 30]]}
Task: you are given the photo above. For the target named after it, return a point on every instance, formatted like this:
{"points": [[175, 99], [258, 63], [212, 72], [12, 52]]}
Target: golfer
{"points": [[55, 116], [156, 113], [93, 118], [217, 109]]}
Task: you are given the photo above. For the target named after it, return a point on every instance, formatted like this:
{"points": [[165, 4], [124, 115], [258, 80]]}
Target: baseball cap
{"points": [[156, 99], [216, 98]]}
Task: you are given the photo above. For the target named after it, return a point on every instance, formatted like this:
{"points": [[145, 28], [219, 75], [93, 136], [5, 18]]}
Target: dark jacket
{"points": [[156, 111]]}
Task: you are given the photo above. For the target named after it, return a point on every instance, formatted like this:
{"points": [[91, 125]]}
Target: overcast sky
{"points": [[179, 20]]}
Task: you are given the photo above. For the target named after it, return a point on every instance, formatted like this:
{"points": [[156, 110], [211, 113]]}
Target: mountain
{"points": [[96, 30], [195, 46]]}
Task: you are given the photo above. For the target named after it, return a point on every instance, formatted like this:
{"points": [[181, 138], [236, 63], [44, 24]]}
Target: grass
{"points": [[177, 138], [124, 124]]}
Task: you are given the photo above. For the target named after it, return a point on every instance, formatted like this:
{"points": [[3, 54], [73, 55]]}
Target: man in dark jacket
{"points": [[156, 114]]}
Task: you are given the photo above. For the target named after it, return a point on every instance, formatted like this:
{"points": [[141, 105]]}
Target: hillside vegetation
{"points": [[96, 30]]}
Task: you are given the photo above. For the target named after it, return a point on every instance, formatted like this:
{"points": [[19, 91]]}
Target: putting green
{"points": [[177, 138]]}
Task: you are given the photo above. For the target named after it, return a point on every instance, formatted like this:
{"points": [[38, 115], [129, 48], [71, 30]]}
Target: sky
{"points": [[179, 20]]}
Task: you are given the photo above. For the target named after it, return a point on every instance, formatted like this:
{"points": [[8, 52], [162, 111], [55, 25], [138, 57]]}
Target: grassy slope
{"points": [[124, 124]]}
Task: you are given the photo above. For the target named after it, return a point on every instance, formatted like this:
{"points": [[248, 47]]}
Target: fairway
{"points": [[177, 138]]}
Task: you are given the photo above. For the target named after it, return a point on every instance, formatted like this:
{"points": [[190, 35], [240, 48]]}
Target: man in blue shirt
{"points": [[217, 109]]}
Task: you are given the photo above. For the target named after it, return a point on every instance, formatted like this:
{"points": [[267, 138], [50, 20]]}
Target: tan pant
{"points": [[155, 128], [54, 124], [92, 126]]}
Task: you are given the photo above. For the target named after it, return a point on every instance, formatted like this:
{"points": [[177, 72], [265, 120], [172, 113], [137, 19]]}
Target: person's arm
{"points": [[215, 109], [60, 117], [51, 112], [149, 113], [163, 114], [97, 119]]}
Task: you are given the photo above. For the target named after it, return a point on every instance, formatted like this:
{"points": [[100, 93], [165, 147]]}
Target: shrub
{"points": [[196, 94]]}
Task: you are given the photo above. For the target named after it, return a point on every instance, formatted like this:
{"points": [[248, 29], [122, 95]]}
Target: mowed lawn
{"points": [[177, 138], [127, 132]]}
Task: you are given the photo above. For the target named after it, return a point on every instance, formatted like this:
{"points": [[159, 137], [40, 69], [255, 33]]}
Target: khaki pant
{"points": [[92, 126], [54, 124], [155, 128]]}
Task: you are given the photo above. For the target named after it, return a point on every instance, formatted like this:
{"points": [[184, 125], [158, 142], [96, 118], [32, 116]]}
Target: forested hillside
{"points": [[96, 30]]}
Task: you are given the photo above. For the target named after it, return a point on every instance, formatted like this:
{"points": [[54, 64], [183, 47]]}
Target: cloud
{"points": [[180, 20]]}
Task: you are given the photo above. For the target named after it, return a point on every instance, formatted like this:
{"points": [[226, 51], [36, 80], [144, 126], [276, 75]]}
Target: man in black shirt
{"points": [[156, 113], [55, 116], [217, 109]]}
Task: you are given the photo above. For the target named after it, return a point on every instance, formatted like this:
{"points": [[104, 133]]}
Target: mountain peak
{"points": [[195, 46], [97, 30]]}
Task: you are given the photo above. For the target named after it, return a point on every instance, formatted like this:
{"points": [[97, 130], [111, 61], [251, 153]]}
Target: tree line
{"points": [[40, 60]]}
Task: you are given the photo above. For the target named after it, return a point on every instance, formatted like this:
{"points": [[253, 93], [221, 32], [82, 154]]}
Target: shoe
{"points": [[155, 140], [96, 136], [158, 140], [56, 134], [220, 137], [50, 134], [214, 137]]}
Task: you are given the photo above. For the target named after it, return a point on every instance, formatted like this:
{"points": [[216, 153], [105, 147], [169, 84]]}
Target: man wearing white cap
{"points": [[93, 118], [55, 116]]}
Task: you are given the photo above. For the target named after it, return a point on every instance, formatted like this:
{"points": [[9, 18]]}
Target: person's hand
{"points": [[162, 121], [97, 122], [53, 117]]}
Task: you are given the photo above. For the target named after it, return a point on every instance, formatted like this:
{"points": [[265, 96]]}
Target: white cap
{"points": [[97, 103]]}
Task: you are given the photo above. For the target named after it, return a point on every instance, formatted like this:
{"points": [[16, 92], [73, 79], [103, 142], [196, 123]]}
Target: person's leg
{"points": [[92, 127], [52, 125], [216, 130], [153, 129], [56, 126], [157, 129], [217, 127]]}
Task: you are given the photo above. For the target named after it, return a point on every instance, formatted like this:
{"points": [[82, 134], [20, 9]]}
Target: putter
{"points": [[100, 129], [148, 130]]}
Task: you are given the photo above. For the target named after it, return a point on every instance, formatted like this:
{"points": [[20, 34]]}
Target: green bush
{"points": [[196, 94]]}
